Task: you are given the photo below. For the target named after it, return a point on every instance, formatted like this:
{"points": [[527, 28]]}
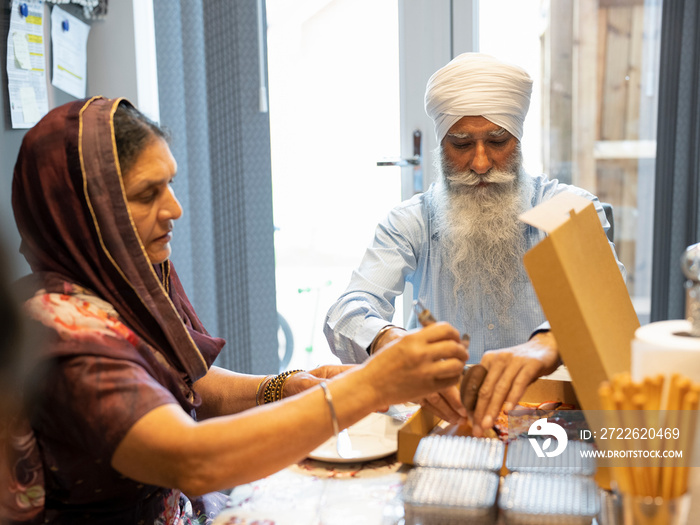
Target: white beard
{"points": [[483, 242]]}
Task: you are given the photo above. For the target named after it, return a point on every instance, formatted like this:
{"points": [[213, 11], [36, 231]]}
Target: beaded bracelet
{"points": [[273, 390], [284, 382]]}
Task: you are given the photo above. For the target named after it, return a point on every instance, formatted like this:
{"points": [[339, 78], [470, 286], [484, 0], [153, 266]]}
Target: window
{"points": [[334, 75], [334, 111], [592, 119]]}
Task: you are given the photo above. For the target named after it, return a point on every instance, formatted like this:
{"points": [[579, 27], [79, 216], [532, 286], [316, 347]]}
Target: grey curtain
{"points": [[677, 188], [223, 249]]}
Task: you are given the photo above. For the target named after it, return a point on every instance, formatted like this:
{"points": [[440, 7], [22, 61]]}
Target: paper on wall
{"points": [[26, 64], [30, 112], [69, 38], [22, 55]]}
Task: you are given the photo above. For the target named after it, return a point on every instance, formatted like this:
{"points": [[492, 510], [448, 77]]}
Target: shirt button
{"points": [[491, 326]]}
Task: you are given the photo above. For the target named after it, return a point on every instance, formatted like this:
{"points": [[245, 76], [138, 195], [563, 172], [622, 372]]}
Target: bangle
{"points": [[273, 390], [284, 381], [329, 400], [257, 391], [373, 345]]}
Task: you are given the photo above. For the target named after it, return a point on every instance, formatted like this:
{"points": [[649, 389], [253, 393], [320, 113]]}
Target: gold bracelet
{"points": [[257, 391]]}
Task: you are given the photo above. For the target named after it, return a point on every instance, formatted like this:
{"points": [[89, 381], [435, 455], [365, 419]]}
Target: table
{"points": [[313, 492]]}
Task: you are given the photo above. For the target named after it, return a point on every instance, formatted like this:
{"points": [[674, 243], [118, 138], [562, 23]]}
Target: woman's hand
{"points": [[304, 380], [166, 447], [417, 364], [446, 404]]}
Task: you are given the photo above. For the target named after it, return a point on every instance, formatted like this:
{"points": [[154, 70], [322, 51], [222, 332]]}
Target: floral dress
{"points": [[99, 379]]}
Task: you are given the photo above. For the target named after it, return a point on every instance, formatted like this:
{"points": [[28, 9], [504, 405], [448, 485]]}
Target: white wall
{"points": [[121, 62], [122, 55]]}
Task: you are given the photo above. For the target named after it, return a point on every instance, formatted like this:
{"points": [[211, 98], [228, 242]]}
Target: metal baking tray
{"points": [[543, 499], [461, 452], [522, 457], [441, 496]]}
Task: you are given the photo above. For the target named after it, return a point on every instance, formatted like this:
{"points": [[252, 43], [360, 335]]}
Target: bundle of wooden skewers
{"points": [[669, 417]]}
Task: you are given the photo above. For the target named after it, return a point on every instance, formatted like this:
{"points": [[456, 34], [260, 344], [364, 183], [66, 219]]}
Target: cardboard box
{"points": [[554, 387], [416, 428], [582, 293]]}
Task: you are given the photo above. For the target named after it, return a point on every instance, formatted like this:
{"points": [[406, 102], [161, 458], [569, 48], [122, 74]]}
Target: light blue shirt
{"points": [[406, 249]]}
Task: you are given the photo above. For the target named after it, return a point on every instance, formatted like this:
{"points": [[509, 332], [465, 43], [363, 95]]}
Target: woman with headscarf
{"points": [[131, 415]]}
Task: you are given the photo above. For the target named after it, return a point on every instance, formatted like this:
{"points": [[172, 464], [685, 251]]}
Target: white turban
{"points": [[475, 84]]}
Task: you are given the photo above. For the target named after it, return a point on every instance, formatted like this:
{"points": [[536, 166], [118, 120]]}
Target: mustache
{"points": [[470, 178]]}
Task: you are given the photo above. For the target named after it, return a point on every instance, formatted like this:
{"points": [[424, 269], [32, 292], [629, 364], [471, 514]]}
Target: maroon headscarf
{"points": [[70, 207]]}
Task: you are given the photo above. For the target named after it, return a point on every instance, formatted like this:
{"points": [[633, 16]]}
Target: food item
{"points": [[511, 425], [471, 383], [515, 423]]}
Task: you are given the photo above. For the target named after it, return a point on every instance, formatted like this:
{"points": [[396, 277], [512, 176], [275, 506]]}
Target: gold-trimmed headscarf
{"points": [[71, 212]]}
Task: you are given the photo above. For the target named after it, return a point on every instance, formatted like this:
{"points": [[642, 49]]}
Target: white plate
{"points": [[373, 437]]}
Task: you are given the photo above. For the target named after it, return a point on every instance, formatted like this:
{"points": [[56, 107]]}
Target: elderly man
{"points": [[460, 244]]}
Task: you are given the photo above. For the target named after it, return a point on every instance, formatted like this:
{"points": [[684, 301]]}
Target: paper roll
{"points": [[665, 348]]}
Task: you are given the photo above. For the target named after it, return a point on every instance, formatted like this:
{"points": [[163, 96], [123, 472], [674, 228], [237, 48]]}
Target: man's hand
{"points": [[510, 371], [387, 337]]}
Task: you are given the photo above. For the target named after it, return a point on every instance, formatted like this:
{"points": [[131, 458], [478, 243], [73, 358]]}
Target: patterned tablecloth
{"points": [[314, 493]]}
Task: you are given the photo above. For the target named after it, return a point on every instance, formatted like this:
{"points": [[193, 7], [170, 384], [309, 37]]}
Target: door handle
{"points": [[398, 161], [414, 161], [411, 161]]}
